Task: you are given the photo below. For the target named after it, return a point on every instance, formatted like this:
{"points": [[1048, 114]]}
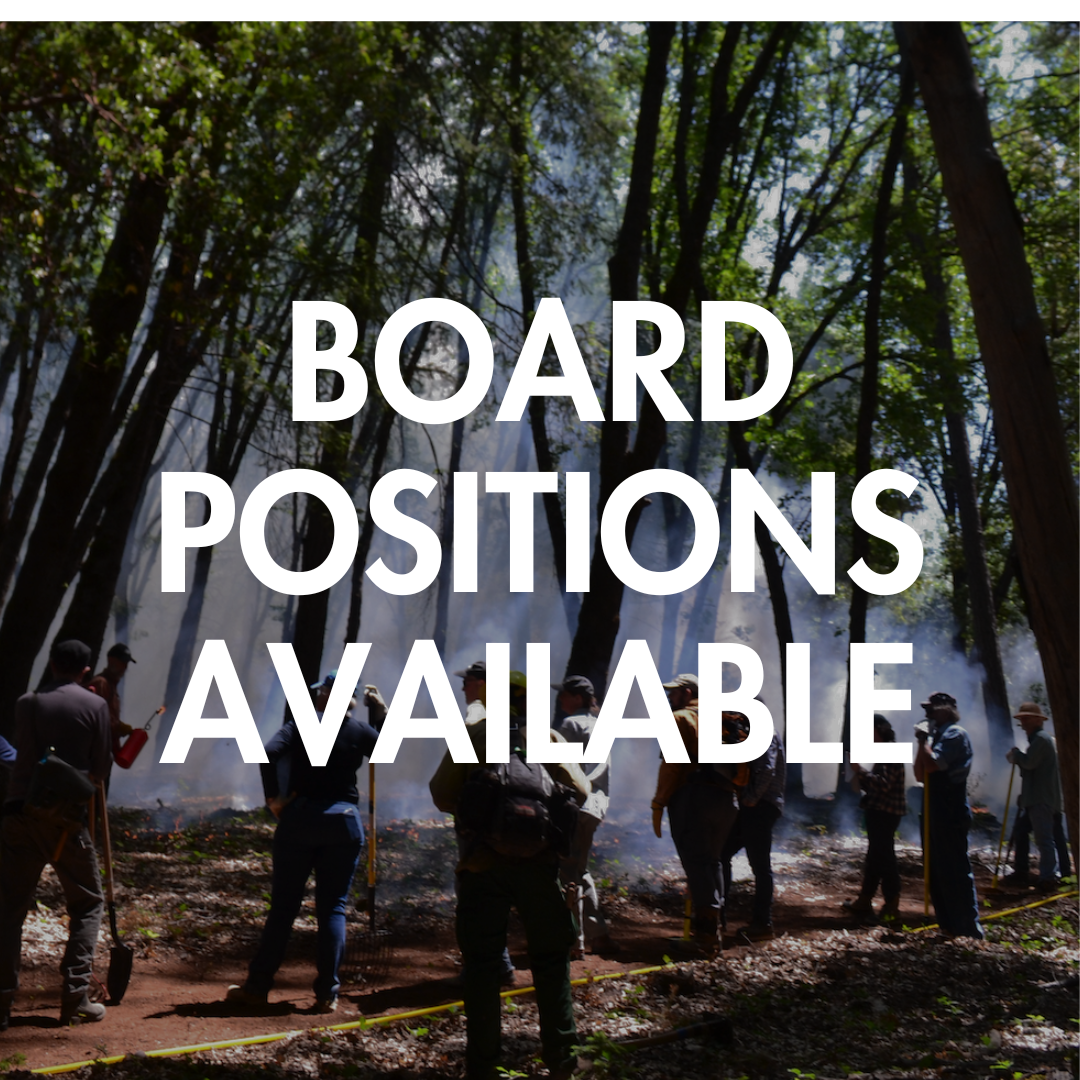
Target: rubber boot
{"points": [[890, 910], [7, 999], [79, 1009]]}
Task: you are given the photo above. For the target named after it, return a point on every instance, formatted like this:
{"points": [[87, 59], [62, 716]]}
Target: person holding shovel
{"points": [[942, 763], [41, 826], [319, 830]]}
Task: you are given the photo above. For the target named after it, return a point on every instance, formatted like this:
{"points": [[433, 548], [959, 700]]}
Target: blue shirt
{"points": [[950, 747], [333, 782]]}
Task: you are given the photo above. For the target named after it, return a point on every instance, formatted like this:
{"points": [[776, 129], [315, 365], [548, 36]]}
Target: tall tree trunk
{"points": [[598, 621], [598, 625], [977, 572], [91, 380], [519, 182], [1023, 393], [310, 626], [868, 393]]}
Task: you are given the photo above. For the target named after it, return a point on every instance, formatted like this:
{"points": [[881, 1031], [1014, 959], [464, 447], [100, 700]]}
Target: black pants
{"points": [[753, 830], [880, 867]]}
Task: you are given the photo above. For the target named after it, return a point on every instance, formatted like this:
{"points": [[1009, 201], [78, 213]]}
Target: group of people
{"points": [[525, 834], [943, 764]]}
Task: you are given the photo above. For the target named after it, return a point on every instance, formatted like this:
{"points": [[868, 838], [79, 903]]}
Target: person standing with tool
{"points": [[576, 702], [884, 803], [700, 801], [942, 763], [505, 861], [1040, 790], [319, 830], [37, 829]]}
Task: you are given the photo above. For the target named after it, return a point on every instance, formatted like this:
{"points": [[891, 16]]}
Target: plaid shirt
{"points": [[884, 788]]}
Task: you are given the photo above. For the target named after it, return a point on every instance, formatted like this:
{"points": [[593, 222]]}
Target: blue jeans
{"points": [[753, 830], [1042, 825], [312, 836], [1021, 837], [952, 884]]}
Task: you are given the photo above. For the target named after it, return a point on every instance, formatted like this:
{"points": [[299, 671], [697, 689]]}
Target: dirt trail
{"points": [[195, 922]]}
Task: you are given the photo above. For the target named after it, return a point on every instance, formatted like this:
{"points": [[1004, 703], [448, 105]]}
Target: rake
{"points": [[368, 954]]}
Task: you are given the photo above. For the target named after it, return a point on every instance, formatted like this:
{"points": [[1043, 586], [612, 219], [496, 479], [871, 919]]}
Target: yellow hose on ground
{"points": [[1008, 911], [374, 1021], [352, 1025]]}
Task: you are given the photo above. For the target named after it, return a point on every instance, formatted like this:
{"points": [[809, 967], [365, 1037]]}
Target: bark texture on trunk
{"points": [[1023, 394]]}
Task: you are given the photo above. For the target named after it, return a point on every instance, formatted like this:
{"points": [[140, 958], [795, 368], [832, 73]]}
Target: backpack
{"points": [[518, 809]]}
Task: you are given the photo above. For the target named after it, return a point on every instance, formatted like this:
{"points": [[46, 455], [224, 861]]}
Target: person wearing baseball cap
{"points": [[72, 723], [943, 763], [1040, 791], [474, 687]]}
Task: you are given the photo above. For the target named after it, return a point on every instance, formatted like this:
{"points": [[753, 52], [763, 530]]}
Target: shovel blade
{"points": [[121, 959]]}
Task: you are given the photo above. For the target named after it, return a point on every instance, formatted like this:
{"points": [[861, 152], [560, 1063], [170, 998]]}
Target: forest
{"points": [[902, 197]]}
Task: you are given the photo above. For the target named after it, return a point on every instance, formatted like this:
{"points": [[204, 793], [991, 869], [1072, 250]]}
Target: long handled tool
{"points": [[367, 956], [121, 956], [926, 844], [371, 848], [1004, 823]]}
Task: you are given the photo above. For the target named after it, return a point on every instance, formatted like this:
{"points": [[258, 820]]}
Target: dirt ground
{"points": [[192, 897]]}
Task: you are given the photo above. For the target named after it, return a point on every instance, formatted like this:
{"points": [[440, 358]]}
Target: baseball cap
{"points": [[682, 680], [476, 670], [938, 697], [121, 652], [70, 656], [575, 684]]}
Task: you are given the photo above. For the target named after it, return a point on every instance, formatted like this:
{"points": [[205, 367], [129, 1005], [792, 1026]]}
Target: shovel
{"points": [[121, 956]]}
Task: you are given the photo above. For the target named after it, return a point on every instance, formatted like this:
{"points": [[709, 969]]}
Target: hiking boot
{"points": [[508, 977], [7, 999], [758, 932], [1047, 885], [890, 910], [79, 1009], [570, 1069], [706, 926], [863, 904], [326, 1005], [241, 995], [604, 944], [1019, 878]]}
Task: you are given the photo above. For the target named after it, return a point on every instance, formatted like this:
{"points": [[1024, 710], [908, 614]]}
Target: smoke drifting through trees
{"points": [[173, 188]]}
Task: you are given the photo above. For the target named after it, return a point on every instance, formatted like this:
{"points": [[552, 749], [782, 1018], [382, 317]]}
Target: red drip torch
{"points": [[127, 754]]}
